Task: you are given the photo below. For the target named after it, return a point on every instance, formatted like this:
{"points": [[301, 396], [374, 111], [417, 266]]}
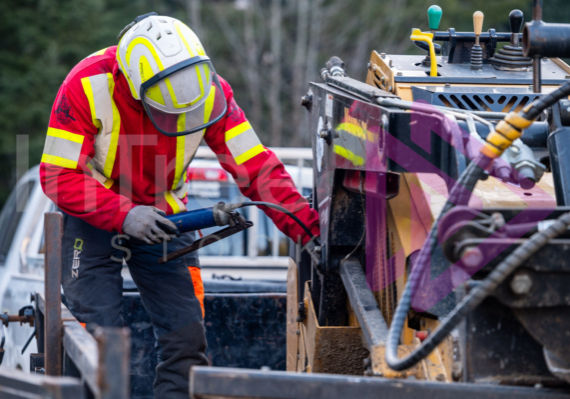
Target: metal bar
{"points": [[40, 322], [275, 241], [388, 102], [206, 240], [81, 348], [15, 384], [222, 383], [53, 226], [537, 74], [253, 232], [372, 323], [537, 10], [484, 37], [113, 374]]}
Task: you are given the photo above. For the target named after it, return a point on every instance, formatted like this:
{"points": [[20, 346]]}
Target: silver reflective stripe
{"points": [[181, 190], [62, 148], [243, 142], [101, 104], [191, 144]]}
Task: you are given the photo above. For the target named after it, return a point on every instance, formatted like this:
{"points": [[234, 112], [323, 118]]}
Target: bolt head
{"points": [[306, 100], [472, 257], [521, 283]]}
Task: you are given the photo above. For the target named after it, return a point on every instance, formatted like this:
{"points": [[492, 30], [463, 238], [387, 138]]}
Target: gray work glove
{"points": [[148, 224]]}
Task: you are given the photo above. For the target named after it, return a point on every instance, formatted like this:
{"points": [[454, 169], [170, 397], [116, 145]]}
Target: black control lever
{"points": [[425, 46]]}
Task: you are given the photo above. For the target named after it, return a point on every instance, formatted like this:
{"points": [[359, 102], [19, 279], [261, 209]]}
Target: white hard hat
{"points": [[167, 68]]}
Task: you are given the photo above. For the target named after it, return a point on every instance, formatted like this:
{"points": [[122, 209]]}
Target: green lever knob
{"points": [[434, 17]]}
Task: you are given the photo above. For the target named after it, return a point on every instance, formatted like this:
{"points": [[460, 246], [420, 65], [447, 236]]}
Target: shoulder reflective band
{"points": [[243, 143], [62, 148], [105, 115]]}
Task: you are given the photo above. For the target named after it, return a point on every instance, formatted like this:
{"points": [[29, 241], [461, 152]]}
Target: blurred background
{"points": [[268, 50]]}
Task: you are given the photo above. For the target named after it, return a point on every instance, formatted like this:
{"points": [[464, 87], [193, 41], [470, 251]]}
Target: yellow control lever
{"points": [[418, 35]]}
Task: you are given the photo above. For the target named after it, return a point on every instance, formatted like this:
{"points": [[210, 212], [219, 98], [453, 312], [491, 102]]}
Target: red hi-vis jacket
{"points": [[103, 155]]}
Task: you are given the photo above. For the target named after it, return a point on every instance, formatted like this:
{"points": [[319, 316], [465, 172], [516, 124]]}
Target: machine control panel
{"points": [[486, 57]]}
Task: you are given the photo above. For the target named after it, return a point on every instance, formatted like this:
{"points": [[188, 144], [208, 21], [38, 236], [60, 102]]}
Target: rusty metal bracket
{"points": [[25, 315]]}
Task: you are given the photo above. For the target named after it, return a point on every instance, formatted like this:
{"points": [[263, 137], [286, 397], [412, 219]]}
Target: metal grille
{"points": [[476, 98]]}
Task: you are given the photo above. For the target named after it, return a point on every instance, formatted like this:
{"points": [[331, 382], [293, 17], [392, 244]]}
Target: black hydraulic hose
{"points": [[281, 209], [546, 101], [460, 195], [477, 295]]}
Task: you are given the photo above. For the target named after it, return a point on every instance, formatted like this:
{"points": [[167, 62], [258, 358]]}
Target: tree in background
{"points": [[267, 49]]}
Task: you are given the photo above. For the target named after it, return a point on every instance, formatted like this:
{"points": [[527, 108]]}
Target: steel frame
{"points": [[100, 361], [222, 383]]}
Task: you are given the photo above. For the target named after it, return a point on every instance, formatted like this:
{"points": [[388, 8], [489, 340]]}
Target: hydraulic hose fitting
{"points": [[506, 131]]}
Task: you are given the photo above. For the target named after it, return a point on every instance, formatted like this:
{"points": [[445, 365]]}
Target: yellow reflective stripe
{"points": [[63, 147], [88, 89], [100, 52], [105, 116], [63, 134], [108, 183], [179, 171], [148, 44], [237, 130], [209, 106], [58, 161], [186, 146], [347, 154], [110, 161], [176, 205], [180, 147], [352, 129], [181, 35], [246, 156], [192, 35], [131, 85]]}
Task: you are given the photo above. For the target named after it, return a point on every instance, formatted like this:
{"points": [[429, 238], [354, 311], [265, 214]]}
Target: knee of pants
{"points": [[196, 275]]}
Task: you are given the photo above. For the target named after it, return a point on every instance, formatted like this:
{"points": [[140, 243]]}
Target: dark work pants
{"points": [[93, 287]]}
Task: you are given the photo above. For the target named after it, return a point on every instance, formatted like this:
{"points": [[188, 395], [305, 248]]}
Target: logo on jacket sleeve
{"points": [[64, 112]]}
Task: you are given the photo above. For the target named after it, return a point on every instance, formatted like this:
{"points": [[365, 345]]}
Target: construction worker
{"points": [[124, 127]]}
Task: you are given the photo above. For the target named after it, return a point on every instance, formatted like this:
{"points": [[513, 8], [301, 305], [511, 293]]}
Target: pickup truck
{"points": [[242, 273]]}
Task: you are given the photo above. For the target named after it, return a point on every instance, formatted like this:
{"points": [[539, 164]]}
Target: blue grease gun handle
{"points": [[217, 215], [194, 220]]}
